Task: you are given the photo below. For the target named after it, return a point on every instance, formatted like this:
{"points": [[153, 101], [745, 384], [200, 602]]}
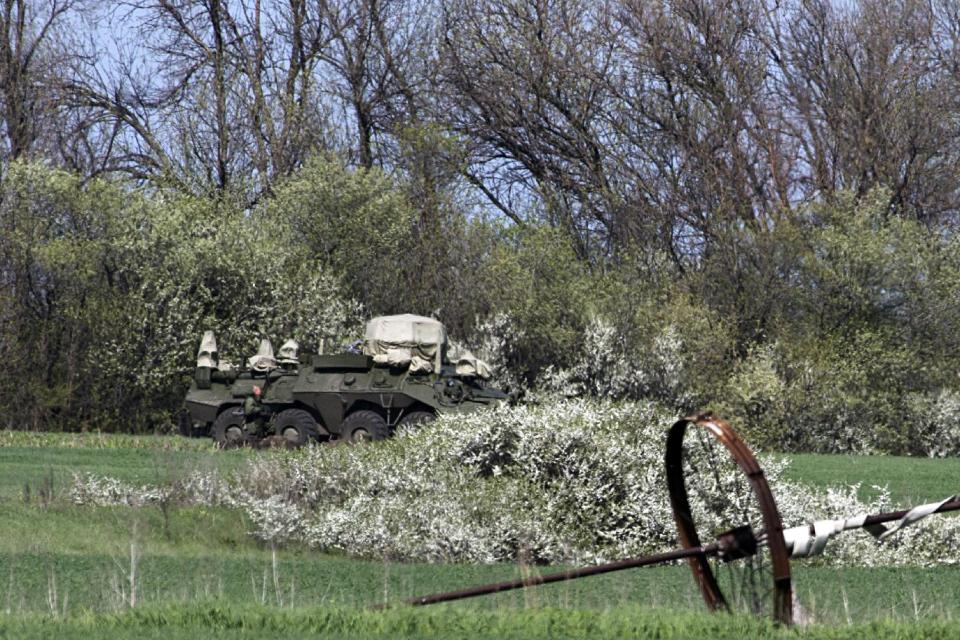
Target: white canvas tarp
{"points": [[289, 352], [264, 360], [207, 356], [470, 366], [397, 340]]}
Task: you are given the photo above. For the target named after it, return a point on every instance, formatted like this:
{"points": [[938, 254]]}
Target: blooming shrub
{"points": [[577, 481], [936, 420], [496, 341], [848, 398], [104, 491], [607, 366]]}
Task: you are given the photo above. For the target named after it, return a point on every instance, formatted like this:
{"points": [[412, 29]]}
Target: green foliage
{"points": [[830, 328], [754, 398], [862, 394], [851, 338], [112, 289], [192, 266], [52, 237], [627, 330], [357, 222], [543, 296], [398, 247], [682, 346]]}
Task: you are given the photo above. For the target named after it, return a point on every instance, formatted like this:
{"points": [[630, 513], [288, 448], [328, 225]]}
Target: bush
{"points": [[192, 268], [623, 330], [357, 223], [112, 290], [933, 422], [540, 302], [675, 361], [576, 481]]}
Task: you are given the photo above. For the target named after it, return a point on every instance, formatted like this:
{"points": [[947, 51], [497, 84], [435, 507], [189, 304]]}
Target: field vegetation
{"points": [[567, 481], [178, 569], [633, 210], [220, 622]]}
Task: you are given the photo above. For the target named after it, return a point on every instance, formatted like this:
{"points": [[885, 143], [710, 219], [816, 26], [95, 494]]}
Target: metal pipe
{"points": [[880, 518], [571, 574], [709, 550]]}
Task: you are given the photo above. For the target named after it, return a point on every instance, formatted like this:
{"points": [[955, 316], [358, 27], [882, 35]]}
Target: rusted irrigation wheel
{"points": [[716, 485]]}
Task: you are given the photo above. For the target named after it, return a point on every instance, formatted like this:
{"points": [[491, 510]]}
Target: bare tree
{"points": [[225, 94], [526, 86], [374, 68], [697, 128], [277, 52], [871, 92], [30, 54]]}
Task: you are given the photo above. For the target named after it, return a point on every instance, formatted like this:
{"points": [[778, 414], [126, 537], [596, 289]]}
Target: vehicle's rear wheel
{"points": [[228, 428], [296, 426], [363, 426], [416, 419]]}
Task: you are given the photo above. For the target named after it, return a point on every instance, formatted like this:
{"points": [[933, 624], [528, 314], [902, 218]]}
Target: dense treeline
{"points": [[748, 205]]}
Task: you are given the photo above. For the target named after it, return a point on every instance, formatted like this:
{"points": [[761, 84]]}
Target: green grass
{"points": [[216, 620], [97, 440], [33, 469], [911, 481], [101, 582], [76, 561], [31, 463]]}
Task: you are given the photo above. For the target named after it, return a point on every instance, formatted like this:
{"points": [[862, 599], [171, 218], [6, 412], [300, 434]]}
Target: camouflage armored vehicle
{"points": [[405, 375]]}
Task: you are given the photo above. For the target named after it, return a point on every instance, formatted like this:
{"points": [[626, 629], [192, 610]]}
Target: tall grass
{"points": [[215, 620]]}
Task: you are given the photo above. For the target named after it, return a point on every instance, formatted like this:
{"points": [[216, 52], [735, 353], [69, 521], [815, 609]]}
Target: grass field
{"points": [[68, 571], [213, 620], [911, 481]]}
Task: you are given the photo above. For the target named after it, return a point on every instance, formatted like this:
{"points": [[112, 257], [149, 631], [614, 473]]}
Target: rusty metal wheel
{"points": [[716, 485]]}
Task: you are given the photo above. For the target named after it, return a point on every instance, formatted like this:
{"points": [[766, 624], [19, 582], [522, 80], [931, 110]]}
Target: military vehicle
{"points": [[405, 374]]}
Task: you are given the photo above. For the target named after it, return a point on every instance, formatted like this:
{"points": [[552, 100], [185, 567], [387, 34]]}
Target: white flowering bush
{"points": [[495, 340], [935, 419], [104, 491], [608, 366], [603, 369], [577, 481]]}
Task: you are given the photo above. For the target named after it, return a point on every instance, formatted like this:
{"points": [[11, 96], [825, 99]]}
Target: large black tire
{"points": [[228, 430], [416, 419], [296, 426], [364, 425]]}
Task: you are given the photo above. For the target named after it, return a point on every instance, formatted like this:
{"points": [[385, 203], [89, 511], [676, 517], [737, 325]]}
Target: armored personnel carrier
{"points": [[404, 375]]}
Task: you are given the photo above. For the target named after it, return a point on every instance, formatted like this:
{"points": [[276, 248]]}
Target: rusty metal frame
{"points": [[687, 529], [737, 543]]}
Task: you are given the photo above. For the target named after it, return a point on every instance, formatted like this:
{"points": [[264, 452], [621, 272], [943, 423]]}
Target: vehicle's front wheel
{"points": [[296, 426], [363, 426], [416, 419], [228, 430]]}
